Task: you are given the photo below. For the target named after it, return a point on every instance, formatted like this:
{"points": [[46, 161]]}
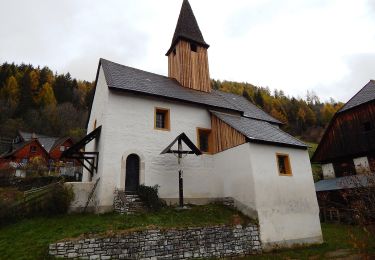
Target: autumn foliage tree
{"points": [[302, 117], [36, 99]]}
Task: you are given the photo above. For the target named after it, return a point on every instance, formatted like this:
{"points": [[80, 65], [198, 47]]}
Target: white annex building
{"points": [[245, 155]]}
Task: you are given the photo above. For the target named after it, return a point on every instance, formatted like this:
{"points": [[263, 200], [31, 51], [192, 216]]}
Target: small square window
{"points": [[283, 164], [162, 119], [204, 140], [33, 149], [62, 148], [193, 47]]}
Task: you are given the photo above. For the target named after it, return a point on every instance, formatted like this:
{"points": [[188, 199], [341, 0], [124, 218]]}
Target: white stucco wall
{"points": [[328, 171], [81, 192], [98, 113], [234, 169], [123, 135], [361, 165], [287, 207]]}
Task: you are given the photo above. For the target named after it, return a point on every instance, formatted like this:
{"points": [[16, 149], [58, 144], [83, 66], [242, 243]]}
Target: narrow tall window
{"points": [[193, 47], [204, 140], [162, 119], [283, 164]]}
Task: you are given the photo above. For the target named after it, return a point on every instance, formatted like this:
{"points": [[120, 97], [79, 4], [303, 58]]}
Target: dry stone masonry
{"points": [[197, 242], [125, 203]]}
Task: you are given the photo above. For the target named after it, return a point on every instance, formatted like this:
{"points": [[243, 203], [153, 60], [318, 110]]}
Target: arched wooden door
{"points": [[132, 173]]}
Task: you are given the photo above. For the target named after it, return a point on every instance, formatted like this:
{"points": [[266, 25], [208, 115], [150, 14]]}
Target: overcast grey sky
{"points": [[323, 45]]}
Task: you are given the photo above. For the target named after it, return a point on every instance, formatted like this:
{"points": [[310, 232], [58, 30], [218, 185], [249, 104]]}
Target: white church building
{"points": [[245, 155]]}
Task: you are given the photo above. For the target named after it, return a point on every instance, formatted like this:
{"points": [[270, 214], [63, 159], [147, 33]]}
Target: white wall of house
{"points": [[124, 135], [81, 192], [287, 207], [328, 171], [362, 165], [233, 167], [98, 114]]}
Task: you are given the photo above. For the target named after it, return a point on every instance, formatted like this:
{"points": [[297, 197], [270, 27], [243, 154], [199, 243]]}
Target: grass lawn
{"points": [[337, 238], [29, 239]]}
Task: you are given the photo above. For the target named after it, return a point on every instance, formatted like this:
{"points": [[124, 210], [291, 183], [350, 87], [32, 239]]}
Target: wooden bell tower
{"points": [[187, 56]]}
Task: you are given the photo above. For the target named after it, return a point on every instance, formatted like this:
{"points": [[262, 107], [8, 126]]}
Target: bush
{"points": [[150, 196], [55, 202], [34, 182], [6, 177], [59, 200]]}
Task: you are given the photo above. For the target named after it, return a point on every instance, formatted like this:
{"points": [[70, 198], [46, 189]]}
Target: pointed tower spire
{"points": [[187, 27], [187, 55]]}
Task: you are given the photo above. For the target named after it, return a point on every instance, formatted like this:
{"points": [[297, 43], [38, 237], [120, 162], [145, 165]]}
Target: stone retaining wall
{"points": [[197, 242]]}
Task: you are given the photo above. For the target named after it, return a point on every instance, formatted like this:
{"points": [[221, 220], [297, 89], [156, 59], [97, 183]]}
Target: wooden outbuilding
{"points": [[348, 145]]}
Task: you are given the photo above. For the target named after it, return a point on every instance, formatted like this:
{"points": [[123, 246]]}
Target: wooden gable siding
{"points": [[224, 136], [190, 68], [346, 137], [55, 153], [25, 152]]}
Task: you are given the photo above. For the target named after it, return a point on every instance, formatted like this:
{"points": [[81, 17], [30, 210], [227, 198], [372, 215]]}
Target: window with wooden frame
{"points": [[162, 119], [283, 164], [204, 140], [33, 149]]}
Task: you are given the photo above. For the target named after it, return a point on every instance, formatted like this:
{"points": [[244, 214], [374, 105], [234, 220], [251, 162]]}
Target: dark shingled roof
{"points": [[259, 131], [249, 109], [366, 94], [126, 78], [47, 142], [14, 149], [187, 27]]}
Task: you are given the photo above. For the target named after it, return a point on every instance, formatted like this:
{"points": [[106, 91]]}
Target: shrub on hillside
{"points": [[6, 177], [58, 200], [55, 202], [37, 166], [150, 196], [34, 182]]}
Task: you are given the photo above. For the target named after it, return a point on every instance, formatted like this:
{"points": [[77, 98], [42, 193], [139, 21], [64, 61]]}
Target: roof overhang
{"points": [[174, 43], [76, 152]]}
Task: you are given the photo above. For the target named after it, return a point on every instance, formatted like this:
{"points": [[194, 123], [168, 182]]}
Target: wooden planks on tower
{"points": [[224, 136], [188, 67]]}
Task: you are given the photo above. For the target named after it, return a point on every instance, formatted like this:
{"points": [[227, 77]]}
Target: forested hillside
{"points": [[303, 117], [36, 99], [39, 100]]}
